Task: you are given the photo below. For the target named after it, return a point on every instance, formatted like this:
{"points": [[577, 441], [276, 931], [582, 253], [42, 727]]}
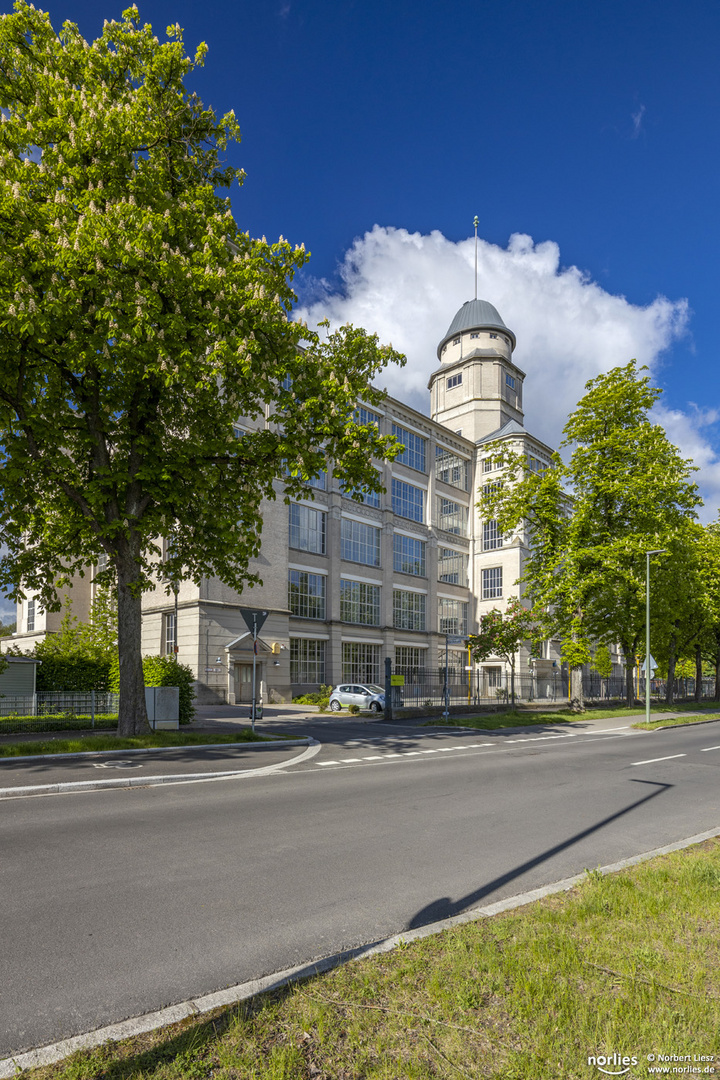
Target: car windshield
{"points": [[375, 689]]}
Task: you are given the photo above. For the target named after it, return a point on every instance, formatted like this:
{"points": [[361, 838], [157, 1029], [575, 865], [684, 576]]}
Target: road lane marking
{"points": [[349, 760], [706, 748], [652, 760], [608, 731], [375, 757]]}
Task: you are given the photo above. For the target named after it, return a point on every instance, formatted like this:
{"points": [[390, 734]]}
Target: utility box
{"points": [[163, 707]]}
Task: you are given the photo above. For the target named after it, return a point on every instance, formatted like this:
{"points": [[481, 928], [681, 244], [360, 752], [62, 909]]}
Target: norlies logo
{"points": [[601, 1060]]}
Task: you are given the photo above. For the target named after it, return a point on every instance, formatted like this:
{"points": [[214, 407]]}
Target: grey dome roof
{"points": [[476, 315]]}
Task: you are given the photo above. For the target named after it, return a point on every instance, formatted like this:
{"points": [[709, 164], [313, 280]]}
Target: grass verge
{"points": [[84, 743], [624, 964], [530, 717], [676, 721]]}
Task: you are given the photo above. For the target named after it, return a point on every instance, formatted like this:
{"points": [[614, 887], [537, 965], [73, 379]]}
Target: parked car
{"points": [[367, 696]]}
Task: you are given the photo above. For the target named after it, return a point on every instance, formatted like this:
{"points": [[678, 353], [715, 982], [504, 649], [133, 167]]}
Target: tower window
{"points": [[456, 341], [454, 380], [474, 335], [510, 381], [493, 335]]}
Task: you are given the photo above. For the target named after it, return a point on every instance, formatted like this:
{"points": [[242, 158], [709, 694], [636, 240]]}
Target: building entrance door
{"points": [[243, 683]]}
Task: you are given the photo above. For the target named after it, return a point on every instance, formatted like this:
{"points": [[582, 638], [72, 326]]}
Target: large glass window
{"points": [[492, 583], [365, 416], [414, 453], [370, 498], [452, 616], [492, 537], [452, 566], [306, 594], [31, 616], [408, 501], [359, 543], [451, 516], [170, 633], [307, 529], [452, 469], [360, 662], [408, 555], [408, 610], [359, 602], [307, 661], [409, 661]]}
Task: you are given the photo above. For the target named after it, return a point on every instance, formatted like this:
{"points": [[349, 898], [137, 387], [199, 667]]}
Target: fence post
{"points": [[388, 689], [92, 707]]}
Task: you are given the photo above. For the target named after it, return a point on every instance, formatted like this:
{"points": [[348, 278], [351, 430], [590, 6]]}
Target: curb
{"points": [[313, 748], [304, 741], [232, 995]]}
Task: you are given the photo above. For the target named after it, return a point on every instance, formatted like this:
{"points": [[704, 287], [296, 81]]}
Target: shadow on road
{"points": [[445, 908]]}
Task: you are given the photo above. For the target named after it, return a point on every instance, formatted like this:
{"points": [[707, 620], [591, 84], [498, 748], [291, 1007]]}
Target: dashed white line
{"points": [[706, 748], [652, 760]]}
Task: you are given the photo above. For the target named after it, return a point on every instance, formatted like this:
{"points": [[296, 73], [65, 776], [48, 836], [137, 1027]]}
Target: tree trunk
{"points": [[698, 673], [577, 699], [512, 682], [670, 689], [133, 718]]}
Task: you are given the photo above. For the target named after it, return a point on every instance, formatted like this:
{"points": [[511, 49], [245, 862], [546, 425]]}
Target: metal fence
{"points": [[57, 711], [425, 687]]}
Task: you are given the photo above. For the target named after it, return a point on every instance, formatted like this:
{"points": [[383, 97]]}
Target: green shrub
{"points": [[354, 709], [77, 674], [319, 697], [165, 671]]}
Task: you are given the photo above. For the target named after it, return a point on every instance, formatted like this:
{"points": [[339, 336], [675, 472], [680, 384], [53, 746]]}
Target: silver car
{"points": [[365, 695]]}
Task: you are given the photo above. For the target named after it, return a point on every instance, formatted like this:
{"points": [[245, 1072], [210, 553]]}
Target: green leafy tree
{"points": [[629, 491], [602, 662], [138, 323], [501, 634]]}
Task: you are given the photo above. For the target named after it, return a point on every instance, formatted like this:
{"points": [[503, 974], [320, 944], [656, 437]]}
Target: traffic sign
{"points": [[253, 619], [455, 639]]}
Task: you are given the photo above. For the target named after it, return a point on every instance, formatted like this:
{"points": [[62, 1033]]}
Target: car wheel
{"points": [[335, 705], [375, 707]]}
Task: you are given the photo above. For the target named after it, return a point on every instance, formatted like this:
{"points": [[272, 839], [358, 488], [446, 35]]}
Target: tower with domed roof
{"points": [[477, 389]]}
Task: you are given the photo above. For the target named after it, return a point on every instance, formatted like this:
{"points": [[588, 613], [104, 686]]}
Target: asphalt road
{"points": [[119, 902]]}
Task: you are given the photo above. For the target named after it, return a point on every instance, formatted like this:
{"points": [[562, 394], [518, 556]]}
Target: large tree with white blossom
{"points": [[138, 322]]}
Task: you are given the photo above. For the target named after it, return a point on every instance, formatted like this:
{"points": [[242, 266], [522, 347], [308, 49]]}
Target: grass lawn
{"points": [[677, 721], [625, 964], [84, 743], [528, 717]]}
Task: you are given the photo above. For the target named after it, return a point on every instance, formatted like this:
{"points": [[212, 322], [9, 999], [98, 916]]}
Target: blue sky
{"points": [[374, 132]]}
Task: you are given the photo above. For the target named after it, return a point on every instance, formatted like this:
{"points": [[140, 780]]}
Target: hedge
{"points": [[74, 675], [164, 671]]}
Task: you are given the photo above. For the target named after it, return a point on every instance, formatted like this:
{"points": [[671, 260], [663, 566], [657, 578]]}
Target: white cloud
{"points": [[407, 287], [637, 119]]}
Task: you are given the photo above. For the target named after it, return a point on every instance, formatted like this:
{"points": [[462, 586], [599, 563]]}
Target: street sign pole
{"points": [[254, 637]]}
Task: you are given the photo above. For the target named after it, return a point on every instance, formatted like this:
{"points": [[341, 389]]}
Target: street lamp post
{"points": [[657, 551]]}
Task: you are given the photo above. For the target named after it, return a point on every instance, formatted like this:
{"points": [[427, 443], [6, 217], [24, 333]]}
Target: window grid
{"points": [[456, 661], [492, 537], [408, 555], [452, 516], [307, 661], [454, 380], [414, 453], [359, 603], [365, 416], [359, 543], [452, 616], [408, 501], [307, 529], [535, 464], [360, 662], [306, 594], [408, 660], [492, 583], [452, 567], [31, 616], [510, 381], [170, 635], [451, 469], [408, 610], [369, 498]]}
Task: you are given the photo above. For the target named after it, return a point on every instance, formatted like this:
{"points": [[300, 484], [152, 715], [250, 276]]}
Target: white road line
{"points": [[377, 757], [608, 731], [348, 760], [328, 762], [706, 748], [652, 760]]}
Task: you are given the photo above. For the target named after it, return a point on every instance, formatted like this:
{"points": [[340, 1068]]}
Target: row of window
{"points": [[308, 530], [361, 663], [360, 604], [360, 543]]}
